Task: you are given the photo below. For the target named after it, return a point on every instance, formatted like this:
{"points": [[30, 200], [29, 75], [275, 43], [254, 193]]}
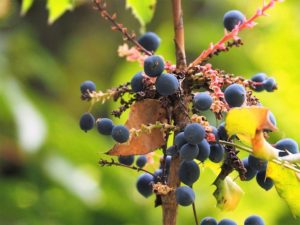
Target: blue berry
{"points": [[194, 133], [216, 153], [254, 220], [105, 126], [222, 133], [87, 86], [158, 175], [126, 159], [208, 221], [144, 184], [263, 181], [185, 195], [257, 163], [137, 83], [272, 118], [166, 84], [235, 95], [120, 133], [227, 222], [87, 121], [179, 140], [172, 150], [189, 152], [270, 84], [150, 41], [204, 150], [202, 101], [233, 18], [251, 173], [141, 161], [259, 78], [154, 66], [287, 144], [189, 172]]}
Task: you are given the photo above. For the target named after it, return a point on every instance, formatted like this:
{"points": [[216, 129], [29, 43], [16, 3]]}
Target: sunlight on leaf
{"points": [[287, 183], [248, 124], [26, 4], [228, 194], [143, 10], [58, 8], [144, 112]]}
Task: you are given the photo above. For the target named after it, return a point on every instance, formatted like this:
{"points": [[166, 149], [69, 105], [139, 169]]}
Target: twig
{"points": [[249, 150], [233, 34], [100, 6], [103, 162]]}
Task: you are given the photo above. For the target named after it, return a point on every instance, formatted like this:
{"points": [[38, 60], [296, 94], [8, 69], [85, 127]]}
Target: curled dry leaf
{"points": [[143, 112]]}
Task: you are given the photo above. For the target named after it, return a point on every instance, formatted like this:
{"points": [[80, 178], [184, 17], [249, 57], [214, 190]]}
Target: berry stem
{"points": [[103, 162], [100, 6], [195, 213]]}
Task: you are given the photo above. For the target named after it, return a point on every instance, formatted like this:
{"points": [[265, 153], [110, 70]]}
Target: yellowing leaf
{"points": [[287, 184], [57, 8], [248, 124], [143, 10], [144, 112], [26, 4], [228, 194]]}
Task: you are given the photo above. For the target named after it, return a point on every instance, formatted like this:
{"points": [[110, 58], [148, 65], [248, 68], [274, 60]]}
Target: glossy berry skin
{"points": [[202, 101], [259, 78], [158, 175], [166, 84], [189, 172], [254, 220], [216, 153], [141, 161], [227, 222], [172, 150], [188, 152], [126, 159], [150, 41], [251, 173], [87, 121], [257, 163], [287, 144], [272, 118], [270, 84], [194, 133], [137, 83], [204, 150], [208, 221], [87, 86], [120, 133], [105, 126], [233, 18], [180, 140], [263, 181], [154, 66], [185, 195], [144, 184], [235, 95]]}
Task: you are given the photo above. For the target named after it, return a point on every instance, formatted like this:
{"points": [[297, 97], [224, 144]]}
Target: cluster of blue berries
{"points": [[251, 220], [263, 82]]}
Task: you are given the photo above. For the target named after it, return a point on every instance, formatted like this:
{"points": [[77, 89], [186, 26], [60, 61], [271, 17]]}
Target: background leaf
{"points": [[26, 4], [287, 184], [143, 10], [58, 8]]}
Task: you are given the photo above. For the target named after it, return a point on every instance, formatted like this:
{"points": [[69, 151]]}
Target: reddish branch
{"points": [[100, 6], [220, 45]]}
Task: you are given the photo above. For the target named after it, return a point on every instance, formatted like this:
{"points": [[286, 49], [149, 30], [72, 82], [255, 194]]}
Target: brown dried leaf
{"points": [[144, 112]]}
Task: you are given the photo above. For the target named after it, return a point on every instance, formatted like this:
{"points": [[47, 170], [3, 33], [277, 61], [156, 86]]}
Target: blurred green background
{"points": [[48, 167]]}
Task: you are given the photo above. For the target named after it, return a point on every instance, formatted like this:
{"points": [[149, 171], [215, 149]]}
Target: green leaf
{"points": [[228, 194], [287, 183], [143, 10], [58, 8], [26, 4]]}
